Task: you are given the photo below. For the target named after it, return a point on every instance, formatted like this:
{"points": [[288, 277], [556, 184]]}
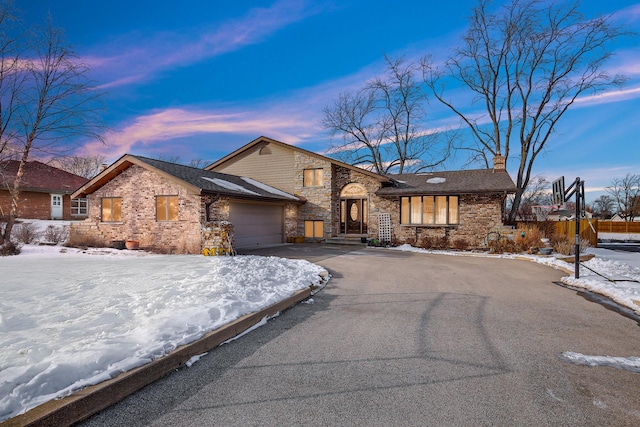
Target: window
{"points": [[312, 178], [111, 209], [79, 207], [314, 229], [166, 208], [429, 210]]}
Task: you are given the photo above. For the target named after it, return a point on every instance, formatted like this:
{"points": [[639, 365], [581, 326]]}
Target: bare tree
{"points": [[381, 125], [537, 193], [603, 206], [526, 64], [48, 101], [86, 166], [626, 195]]}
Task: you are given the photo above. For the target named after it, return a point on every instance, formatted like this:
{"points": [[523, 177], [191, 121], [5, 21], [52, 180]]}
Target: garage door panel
{"points": [[256, 225]]}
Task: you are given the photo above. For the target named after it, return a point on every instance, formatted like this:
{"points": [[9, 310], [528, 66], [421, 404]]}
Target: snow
{"points": [[436, 180], [629, 363], [72, 318], [229, 185], [619, 237], [615, 275], [268, 188]]}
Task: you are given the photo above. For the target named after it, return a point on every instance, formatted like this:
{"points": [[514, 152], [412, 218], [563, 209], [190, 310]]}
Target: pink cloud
{"points": [[170, 124]]}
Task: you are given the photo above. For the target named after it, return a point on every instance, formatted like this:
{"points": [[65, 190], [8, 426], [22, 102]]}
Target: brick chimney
{"points": [[499, 163]]}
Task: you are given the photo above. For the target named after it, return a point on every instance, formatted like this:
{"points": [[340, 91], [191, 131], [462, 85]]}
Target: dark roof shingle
{"points": [[450, 182], [219, 183]]}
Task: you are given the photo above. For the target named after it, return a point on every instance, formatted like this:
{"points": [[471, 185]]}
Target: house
{"points": [[174, 208], [272, 192], [44, 192], [619, 218], [346, 201]]}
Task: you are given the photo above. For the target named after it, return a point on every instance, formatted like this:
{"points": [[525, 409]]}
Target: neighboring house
{"points": [[44, 192], [272, 192], [166, 207], [347, 201], [619, 218]]}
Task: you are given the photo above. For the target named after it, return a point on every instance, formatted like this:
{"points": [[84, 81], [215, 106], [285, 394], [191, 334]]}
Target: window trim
{"points": [[167, 208], [82, 204], [317, 177], [111, 199], [406, 211]]}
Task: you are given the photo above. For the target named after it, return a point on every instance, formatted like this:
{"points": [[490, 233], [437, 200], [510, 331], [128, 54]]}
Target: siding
{"points": [[275, 169]]}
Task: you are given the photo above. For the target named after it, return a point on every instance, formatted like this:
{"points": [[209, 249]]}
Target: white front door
{"points": [[56, 206]]}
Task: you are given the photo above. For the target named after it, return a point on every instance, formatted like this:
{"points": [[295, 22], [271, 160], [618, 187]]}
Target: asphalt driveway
{"points": [[409, 339]]}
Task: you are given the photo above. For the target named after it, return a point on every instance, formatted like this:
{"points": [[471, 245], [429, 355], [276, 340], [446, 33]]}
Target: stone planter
{"points": [[118, 244], [132, 244]]}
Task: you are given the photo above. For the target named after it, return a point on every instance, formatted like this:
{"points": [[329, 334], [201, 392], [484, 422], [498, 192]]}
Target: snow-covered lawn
{"points": [[71, 318]]}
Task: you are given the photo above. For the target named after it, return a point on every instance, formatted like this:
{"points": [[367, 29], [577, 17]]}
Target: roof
{"points": [[263, 139], [450, 183], [40, 177], [198, 180]]}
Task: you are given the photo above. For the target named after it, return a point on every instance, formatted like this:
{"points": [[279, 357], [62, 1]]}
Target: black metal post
{"points": [[577, 249]]}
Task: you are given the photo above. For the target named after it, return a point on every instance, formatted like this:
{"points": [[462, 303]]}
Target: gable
{"points": [[237, 156], [266, 162]]}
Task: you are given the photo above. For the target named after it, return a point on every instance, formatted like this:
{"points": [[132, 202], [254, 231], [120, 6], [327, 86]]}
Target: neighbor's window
{"points": [[312, 178], [314, 229], [79, 207], [111, 209], [429, 210], [167, 208]]}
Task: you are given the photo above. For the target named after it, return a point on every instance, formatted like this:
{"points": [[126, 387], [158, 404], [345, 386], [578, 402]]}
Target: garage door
{"points": [[256, 225]]}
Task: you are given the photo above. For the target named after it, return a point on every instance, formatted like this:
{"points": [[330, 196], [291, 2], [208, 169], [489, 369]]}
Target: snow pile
{"points": [[69, 319], [628, 363]]}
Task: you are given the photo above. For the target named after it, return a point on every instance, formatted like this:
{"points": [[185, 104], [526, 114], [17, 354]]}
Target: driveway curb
{"points": [[93, 399]]}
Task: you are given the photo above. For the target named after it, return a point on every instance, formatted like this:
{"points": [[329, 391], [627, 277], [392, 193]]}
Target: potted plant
{"points": [[132, 244]]}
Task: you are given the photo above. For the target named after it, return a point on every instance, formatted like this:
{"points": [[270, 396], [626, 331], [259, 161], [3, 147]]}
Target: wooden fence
{"points": [[568, 228], [618, 227]]}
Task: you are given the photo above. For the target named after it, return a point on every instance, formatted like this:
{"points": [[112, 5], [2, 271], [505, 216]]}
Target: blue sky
{"points": [[199, 79]]}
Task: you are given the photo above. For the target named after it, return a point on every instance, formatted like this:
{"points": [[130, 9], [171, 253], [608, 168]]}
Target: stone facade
{"points": [[317, 206], [138, 189], [341, 178], [479, 214]]}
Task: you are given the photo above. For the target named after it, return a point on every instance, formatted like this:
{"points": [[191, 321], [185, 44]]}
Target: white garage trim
{"points": [[256, 224]]}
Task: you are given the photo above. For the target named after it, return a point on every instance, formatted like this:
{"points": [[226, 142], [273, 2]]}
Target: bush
{"points": [[25, 233], [83, 241], [460, 244], [531, 238], [503, 245], [55, 234], [9, 248], [431, 242], [565, 246]]}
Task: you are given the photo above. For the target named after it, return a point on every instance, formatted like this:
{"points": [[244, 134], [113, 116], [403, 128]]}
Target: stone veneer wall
{"points": [[479, 214], [343, 176], [318, 205], [138, 187]]}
